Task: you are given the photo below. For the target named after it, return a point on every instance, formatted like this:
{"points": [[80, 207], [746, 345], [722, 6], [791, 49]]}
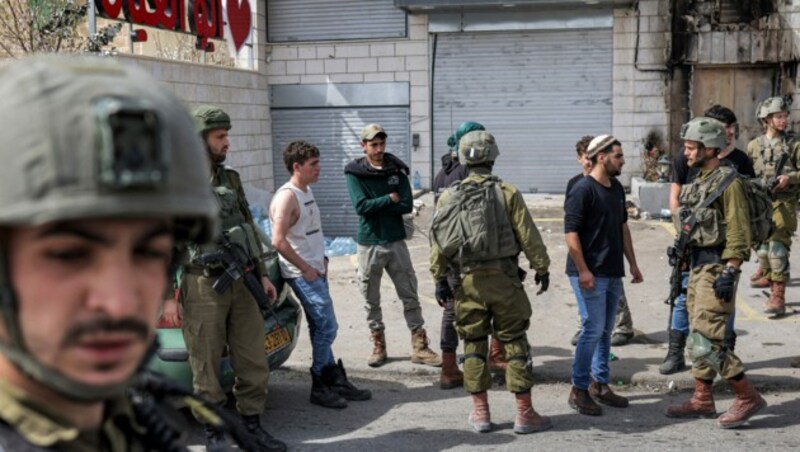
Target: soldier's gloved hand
{"points": [[725, 284], [443, 292], [543, 281]]}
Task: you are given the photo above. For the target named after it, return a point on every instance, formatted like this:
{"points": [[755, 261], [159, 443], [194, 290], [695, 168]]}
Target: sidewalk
{"points": [[766, 346]]}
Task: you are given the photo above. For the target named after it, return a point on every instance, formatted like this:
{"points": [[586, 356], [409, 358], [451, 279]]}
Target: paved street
{"points": [[410, 413]]}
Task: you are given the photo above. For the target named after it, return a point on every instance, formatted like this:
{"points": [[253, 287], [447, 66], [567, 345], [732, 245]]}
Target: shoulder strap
{"points": [[692, 220]]}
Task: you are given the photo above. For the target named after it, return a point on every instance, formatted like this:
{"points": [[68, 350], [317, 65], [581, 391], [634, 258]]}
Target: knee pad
{"points": [[763, 256], [702, 352], [518, 353], [476, 349], [778, 257]]}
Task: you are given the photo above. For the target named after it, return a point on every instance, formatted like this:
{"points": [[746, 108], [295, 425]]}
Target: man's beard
{"points": [[612, 171], [218, 159]]}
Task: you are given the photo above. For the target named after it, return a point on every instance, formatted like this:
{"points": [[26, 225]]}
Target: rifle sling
{"points": [[688, 226]]}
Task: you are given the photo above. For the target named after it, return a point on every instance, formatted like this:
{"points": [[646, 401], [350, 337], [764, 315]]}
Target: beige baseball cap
{"points": [[598, 144], [370, 131]]}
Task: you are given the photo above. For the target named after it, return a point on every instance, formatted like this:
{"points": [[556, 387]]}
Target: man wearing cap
{"points": [[597, 236], [111, 180], [211, 321], [489, 294], [380, 193]]}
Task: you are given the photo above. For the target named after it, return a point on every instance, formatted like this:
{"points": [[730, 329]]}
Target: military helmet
{"points": [[771, 105], [210, 117], [90, 138], [708, 131], [477, 147], [465, 128]]}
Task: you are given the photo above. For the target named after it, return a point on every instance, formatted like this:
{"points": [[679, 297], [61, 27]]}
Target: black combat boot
{"points": [[335, 378], [264, 440], [323, 395], [215, 439], [674, 361]]}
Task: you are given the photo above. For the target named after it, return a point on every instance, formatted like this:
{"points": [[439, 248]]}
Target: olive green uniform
{"points": [[212, 320], [774, 254], [491, 297], [36, 427], [722, 232]]}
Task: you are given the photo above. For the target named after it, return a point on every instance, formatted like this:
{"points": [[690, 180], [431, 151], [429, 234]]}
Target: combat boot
{"points": [[264, 440], [776, 305], [422, 354], [748, 402], [674, 362], [580, 401], [528, 420], [479, 418], [335, 377], [497, 356], [701, 405], [322, 394], [451, 376], [759, 279], [378, 356]]}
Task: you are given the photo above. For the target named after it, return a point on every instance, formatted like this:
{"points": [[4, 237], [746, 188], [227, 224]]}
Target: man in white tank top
{"points": [[297, 235]]}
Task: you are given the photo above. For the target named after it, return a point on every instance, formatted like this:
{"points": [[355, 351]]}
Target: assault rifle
{"points": [[238, 265], [772, 182]]}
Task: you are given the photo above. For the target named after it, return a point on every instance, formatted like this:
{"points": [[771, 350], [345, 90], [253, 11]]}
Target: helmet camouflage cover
{"points": [[477, 147], [708, 131], [771, 105], [210, 117], [90, 138]]}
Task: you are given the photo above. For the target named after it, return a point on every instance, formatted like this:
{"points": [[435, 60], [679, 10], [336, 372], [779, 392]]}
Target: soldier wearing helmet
{"points": [[765, 151], [488, 293], [718, 244], [210, 320], [111, 181]]}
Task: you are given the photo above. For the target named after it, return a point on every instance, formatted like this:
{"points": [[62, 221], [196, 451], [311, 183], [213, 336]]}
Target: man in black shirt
{"points": [[597, 237], [682, 174]]}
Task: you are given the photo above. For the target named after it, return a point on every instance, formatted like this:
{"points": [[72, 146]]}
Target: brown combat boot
{"points": [[759, 279], [528, 420], [421, 353], [701, 405], [479, 418], [497, 356], [603, 394], [378, 356], [580, 401], [776, 305], [748, 402], [451, 376]]}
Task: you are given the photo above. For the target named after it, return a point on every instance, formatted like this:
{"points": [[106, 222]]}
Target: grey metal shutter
{"points": [[335, 131], [325, 20], [538, 92]]}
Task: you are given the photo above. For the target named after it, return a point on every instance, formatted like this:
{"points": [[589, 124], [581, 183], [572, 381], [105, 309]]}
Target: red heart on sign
{"points": [[240, 21]]}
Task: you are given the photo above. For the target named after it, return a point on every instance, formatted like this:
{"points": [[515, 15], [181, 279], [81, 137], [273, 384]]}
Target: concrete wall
{"points": [[393, 60]]}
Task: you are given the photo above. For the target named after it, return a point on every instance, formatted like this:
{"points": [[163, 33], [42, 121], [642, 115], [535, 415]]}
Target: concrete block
{"points": [[379, 77], [284, 79], [307, 52], [346, 78], [391, 64], [313, 78], [352, 51], [381, 50], [417, 63], [650, 104], [295, 67], [418, 31], [402, 76], [315, 67], [325, 52], [651, 197], [624, 40], [335, 66], [648, 7], [419, 78], [284, 53], [362, 65], [404, 48]]}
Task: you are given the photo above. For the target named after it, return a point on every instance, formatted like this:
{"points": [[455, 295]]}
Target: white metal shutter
{"points": [[326, 20], [335, 131], [538, 92]]}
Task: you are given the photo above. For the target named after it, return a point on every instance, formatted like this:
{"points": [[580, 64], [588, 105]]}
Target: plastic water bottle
{"points": [[416, 181]]}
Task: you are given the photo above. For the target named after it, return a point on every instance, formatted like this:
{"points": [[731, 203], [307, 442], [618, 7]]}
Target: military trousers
{"points": [[492, 301], [210, 322], [396, 260], [774, 254], [709, 316]]}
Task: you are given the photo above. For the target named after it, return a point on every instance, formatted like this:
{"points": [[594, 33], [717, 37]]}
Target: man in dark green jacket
{"points": [[380, 192]]}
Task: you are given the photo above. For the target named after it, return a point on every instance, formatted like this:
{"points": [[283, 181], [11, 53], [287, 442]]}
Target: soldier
{"points": [[683, 174], [597, 236], [717, 247], [489, 295], [452, 171], [764, 153], [297, 235], [380, 193], [212, 320], [110, 180]]}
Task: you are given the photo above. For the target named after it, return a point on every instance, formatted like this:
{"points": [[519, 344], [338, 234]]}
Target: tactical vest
{"points": [[233, 219], [709, 231], [473, 227], [767, 158]]}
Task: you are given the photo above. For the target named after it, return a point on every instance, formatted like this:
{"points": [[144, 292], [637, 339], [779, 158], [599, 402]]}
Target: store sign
{"points": [[206, 19]]}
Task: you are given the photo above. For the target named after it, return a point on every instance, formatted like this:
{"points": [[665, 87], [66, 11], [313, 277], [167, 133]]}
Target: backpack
{"points": [[472, 225], [759, 206]]}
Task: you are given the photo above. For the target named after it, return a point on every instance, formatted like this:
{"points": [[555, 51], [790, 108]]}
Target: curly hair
{"points": [[298, 152], [583, 144]]}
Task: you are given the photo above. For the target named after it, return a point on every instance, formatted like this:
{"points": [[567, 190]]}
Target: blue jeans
{"points": [[322, 327], [594, 344], [680, 317]]}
